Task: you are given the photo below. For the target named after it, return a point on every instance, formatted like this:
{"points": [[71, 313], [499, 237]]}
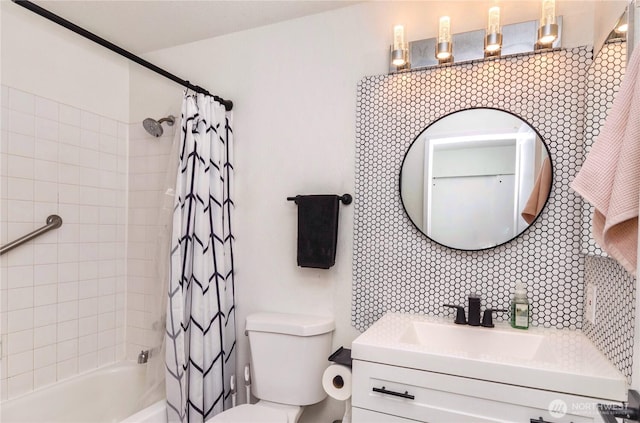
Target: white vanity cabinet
{"points": [[389, 394], [409, 368]]}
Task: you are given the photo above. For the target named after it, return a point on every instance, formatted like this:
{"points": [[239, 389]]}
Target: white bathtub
{"points": [[107, 395]]}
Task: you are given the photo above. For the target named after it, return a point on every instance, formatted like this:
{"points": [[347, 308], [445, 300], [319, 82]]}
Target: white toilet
{"points": [[288, 357]]}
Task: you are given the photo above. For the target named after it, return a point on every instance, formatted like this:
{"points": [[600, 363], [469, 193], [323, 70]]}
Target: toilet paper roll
{"points": [[336, 382]]}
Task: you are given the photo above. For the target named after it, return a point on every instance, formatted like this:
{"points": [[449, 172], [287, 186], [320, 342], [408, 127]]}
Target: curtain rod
{"points": [[228, 104]]}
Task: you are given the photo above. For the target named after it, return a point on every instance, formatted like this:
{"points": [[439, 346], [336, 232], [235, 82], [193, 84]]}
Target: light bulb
{"points": [[548, 31], [399, 46], [398, 37], [444, 31], [493, 39], [443, 47], [548, 12], [493, 27]]}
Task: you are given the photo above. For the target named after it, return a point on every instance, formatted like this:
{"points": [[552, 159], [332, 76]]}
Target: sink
{"points": [[472, 341], [558, 360]]}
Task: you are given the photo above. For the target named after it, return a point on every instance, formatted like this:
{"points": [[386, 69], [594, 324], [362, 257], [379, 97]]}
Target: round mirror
{"points": [[475, 179]]}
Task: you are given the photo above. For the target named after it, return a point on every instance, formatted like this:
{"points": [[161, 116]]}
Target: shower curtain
{"points": [[200, 324]]}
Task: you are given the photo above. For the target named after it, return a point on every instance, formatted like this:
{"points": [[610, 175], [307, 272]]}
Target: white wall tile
{"points": [[88, 325], [20, 211], [88, 289], [44, 376], [20, 167], [66, 350], [45, 294], [19, 384], [90, 121], [46, 108], [21, 101], [45, 316], [46, 129], [19, 363], [68, 311], [45, 335], [87, 362], [19, 342], [46, 171], [45, 254], [44, 356], [19, 320], [67, 368], [46, 150], [67, 332], [20, 298], [46, 192], [20, 189], [70, 115], [20, 276], [67, 291], [20, 145], [69, 134], [45, 273], [21, 123]]}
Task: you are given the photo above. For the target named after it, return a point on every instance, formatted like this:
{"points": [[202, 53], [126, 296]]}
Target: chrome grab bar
{"points": [[53, 222]]}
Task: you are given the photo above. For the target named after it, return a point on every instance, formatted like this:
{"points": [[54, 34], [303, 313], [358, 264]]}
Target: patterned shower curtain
{"points": [[200, 336]]}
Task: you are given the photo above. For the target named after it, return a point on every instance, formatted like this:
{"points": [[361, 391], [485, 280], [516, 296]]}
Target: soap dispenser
{"points": [[520, 307]]}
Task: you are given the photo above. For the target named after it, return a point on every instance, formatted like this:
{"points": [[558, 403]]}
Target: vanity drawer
{"points": [[435, 397]]}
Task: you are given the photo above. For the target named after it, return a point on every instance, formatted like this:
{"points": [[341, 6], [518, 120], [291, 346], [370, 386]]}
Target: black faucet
{"points": [[474, 310], [487, 317], [460, 317]]}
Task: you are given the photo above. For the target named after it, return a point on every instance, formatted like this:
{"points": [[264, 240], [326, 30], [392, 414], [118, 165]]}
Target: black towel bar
{"points": [[346, 198]]}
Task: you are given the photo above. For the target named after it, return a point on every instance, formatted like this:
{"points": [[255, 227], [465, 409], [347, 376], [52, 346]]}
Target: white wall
{"points": [[41, 57], [294, 89]]}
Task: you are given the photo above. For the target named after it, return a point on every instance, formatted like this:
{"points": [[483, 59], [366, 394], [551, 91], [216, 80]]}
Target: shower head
{"points": [[154, 127]]}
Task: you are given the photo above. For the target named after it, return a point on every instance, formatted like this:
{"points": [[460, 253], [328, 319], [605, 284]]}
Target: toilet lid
{"points": [[253, 413]]}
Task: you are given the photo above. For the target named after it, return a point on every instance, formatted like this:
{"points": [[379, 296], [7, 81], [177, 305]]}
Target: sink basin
{"points": [[542, 358], [472, 341]]}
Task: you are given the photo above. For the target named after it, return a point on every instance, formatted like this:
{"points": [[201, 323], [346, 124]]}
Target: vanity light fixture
{"points": [[493, 39], [444, 47], [548, 29], [623, 24], [399, 50]]}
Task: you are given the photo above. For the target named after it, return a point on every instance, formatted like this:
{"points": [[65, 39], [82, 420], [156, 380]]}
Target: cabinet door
{"points": [[359, 415]]}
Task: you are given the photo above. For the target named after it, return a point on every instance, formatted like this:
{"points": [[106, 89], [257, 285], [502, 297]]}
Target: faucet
{"points": [[474, 313], [474, 310], [143, 356]]}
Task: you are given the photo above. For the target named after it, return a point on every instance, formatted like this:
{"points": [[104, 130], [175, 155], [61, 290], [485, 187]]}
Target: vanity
{"points": [[412, 368]]}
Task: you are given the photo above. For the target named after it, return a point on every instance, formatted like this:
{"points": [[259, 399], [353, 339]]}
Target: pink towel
{"points": [[539, 193], [610, 176]]}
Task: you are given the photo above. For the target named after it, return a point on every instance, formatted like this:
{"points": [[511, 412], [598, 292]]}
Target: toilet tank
{"points": [[288, 356]]}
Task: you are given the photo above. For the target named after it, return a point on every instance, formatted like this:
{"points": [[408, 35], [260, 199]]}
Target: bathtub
{"points": [[107, 395]]}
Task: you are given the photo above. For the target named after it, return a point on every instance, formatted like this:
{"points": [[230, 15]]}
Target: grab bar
{"points": [[53, 222]]}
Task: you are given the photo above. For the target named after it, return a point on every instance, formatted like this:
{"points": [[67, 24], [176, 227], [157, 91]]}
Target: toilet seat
{"points": [[251, 413]]}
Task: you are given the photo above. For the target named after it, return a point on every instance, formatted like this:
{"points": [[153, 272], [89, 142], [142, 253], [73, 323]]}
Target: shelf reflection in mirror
{"points": [[476, 178]]}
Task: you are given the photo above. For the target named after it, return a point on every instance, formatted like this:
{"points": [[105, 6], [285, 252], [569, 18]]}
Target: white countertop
{"points": [[565, 361]]}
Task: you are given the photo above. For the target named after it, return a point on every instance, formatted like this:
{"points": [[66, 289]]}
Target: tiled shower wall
{"points": [[148, 178], [63, 294]]}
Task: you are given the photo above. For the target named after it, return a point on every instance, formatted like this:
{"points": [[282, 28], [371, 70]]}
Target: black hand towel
{"points": [[317, 230]]}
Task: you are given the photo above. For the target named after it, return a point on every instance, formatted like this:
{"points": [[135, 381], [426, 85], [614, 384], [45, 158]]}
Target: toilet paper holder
{"points": [[341, 356]]}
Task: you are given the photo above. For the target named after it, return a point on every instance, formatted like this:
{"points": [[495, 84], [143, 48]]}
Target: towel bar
{"points": [[53, 221], [346, 198]]}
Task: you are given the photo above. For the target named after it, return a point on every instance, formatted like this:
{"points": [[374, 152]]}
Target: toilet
{"points": [[288, 357]]}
